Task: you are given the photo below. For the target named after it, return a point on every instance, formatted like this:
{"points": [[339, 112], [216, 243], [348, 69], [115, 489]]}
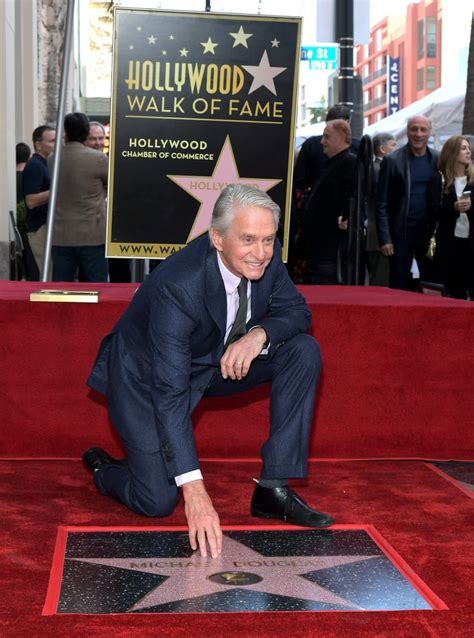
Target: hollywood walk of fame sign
{"points": [[200, 100], [264, 570]]}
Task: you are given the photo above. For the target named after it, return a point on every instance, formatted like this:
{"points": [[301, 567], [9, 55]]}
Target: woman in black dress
{"points": [[450, 204]]}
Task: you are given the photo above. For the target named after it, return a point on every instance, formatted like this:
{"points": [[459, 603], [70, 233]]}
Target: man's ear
{"points": [[216, 239]]}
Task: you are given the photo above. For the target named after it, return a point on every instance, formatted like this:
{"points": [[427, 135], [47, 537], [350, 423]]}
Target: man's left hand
{"points": [[238, 357]]}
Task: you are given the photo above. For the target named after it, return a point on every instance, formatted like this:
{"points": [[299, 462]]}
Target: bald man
{"points": [[403, 226]]}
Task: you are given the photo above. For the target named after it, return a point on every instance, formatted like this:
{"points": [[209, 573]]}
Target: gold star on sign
{"points": [[209, 46], [241, 38], [184, 53]]}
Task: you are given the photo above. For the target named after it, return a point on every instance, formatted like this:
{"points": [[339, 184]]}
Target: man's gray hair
{"points": [[381, 139], [99, 124], [235, 196], [415, 117]]}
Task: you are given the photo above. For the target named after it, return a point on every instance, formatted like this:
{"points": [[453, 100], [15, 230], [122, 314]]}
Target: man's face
{"points": [[247, 247], [46, 145], [418, 133], [333, 141], [96, 138], [387, 148]]}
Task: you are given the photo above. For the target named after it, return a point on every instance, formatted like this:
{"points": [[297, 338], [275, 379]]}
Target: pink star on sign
{"points": [[206, 189]]}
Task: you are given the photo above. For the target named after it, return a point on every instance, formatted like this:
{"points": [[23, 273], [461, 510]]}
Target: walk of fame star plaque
{"points": [[153, 570]]}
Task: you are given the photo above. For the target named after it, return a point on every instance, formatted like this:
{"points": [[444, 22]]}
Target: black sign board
{"points": [[199, 101]]}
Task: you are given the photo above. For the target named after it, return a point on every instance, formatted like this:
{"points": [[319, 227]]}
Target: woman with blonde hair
{"points": [[449, 199]]}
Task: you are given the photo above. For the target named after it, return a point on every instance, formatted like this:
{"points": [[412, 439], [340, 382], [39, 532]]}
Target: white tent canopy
{"points": [[444, 107]]}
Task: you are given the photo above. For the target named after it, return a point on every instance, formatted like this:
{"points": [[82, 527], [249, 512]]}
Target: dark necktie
{"points": [[238, 329]]}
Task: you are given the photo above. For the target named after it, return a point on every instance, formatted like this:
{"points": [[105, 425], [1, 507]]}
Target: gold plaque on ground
{"points": [[68, 296]]}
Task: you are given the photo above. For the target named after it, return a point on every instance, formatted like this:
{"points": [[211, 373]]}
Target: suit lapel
{"points": [[215, 295]]}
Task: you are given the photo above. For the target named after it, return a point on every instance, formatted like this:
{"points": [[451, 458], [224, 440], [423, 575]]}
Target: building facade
{"points": [[402, 62]]}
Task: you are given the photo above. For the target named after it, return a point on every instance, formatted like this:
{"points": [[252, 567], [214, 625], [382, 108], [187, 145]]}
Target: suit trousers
{"points": [[143, 484]]}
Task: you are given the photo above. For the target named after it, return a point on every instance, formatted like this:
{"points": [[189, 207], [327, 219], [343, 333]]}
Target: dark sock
{"points": [[271, 483]]}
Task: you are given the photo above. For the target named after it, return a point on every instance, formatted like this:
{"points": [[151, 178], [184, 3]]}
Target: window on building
{"points": [[430, 77], [421, 39], [302, 113], [431, 36], [378, 39], [419, 79]]}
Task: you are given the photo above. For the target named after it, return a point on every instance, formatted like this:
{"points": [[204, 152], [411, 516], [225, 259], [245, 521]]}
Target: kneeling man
{"points": [[219, 317]]}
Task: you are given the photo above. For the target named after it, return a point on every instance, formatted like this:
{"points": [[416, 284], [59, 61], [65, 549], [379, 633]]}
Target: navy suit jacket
{"points": [[171, 338]]}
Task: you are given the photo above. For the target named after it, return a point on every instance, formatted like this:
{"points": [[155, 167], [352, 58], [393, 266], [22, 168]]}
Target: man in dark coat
{"points": [[324, 226], [403, 223], [219, 317], [311, 159]]}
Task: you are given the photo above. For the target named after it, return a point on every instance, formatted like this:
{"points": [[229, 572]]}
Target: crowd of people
{"points": [[79, 230], [418, 199]]}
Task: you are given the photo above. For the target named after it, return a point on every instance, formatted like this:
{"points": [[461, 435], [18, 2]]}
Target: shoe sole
{"points": [[259, 514]]}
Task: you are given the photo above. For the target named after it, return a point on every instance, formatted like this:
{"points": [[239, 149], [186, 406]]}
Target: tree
{"points": [[468, 120]]}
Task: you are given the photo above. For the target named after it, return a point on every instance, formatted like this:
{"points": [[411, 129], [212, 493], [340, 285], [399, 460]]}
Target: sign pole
{"points": [[345, 38]]}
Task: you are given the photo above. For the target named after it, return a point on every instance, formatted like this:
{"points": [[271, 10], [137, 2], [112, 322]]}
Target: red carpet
{"points": [[396, 379], [396, 384], [426, 519]]}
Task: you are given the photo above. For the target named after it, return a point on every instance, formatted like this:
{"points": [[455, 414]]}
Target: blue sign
{"points": [[393, 85], [322, 58]]}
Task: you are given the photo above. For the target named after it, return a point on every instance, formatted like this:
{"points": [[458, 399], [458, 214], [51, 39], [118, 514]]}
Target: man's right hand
{"points": [[387, 250], [203, 520]]}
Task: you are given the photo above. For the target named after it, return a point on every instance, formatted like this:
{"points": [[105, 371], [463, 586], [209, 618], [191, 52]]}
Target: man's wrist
{"points": [[266, 341]]}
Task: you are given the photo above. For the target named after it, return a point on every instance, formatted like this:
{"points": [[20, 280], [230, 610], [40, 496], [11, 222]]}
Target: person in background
{"points": [[403, 224], [79, 222], [378, 264], [324, 220], [29, 269], [450, 204], [23, 154], [312, 159], [119, 269], [35, 185], [96, 137]]}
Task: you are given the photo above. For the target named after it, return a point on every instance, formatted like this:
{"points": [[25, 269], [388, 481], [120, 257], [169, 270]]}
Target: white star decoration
{"points": [[275, 43], [209, 46], [241, 38], [183, 53], [206, 188], [263, 74], [189, 578], [151, 39]]}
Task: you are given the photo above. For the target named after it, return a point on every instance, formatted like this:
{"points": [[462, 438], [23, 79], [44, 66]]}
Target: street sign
{"points": [[322, 58]]}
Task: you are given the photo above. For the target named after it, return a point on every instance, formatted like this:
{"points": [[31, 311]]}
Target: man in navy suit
{"points": [[179, 339]]}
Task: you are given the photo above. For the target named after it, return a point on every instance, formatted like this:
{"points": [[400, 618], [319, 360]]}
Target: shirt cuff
{"points": [[187, 477]]}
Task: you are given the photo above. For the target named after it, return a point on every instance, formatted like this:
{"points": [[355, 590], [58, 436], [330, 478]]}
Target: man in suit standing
{"points": [[403, 226], [219, 317]]}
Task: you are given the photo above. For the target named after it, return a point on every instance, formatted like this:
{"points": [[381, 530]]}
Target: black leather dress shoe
{"points": [[95, 458], [283, 503]]}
